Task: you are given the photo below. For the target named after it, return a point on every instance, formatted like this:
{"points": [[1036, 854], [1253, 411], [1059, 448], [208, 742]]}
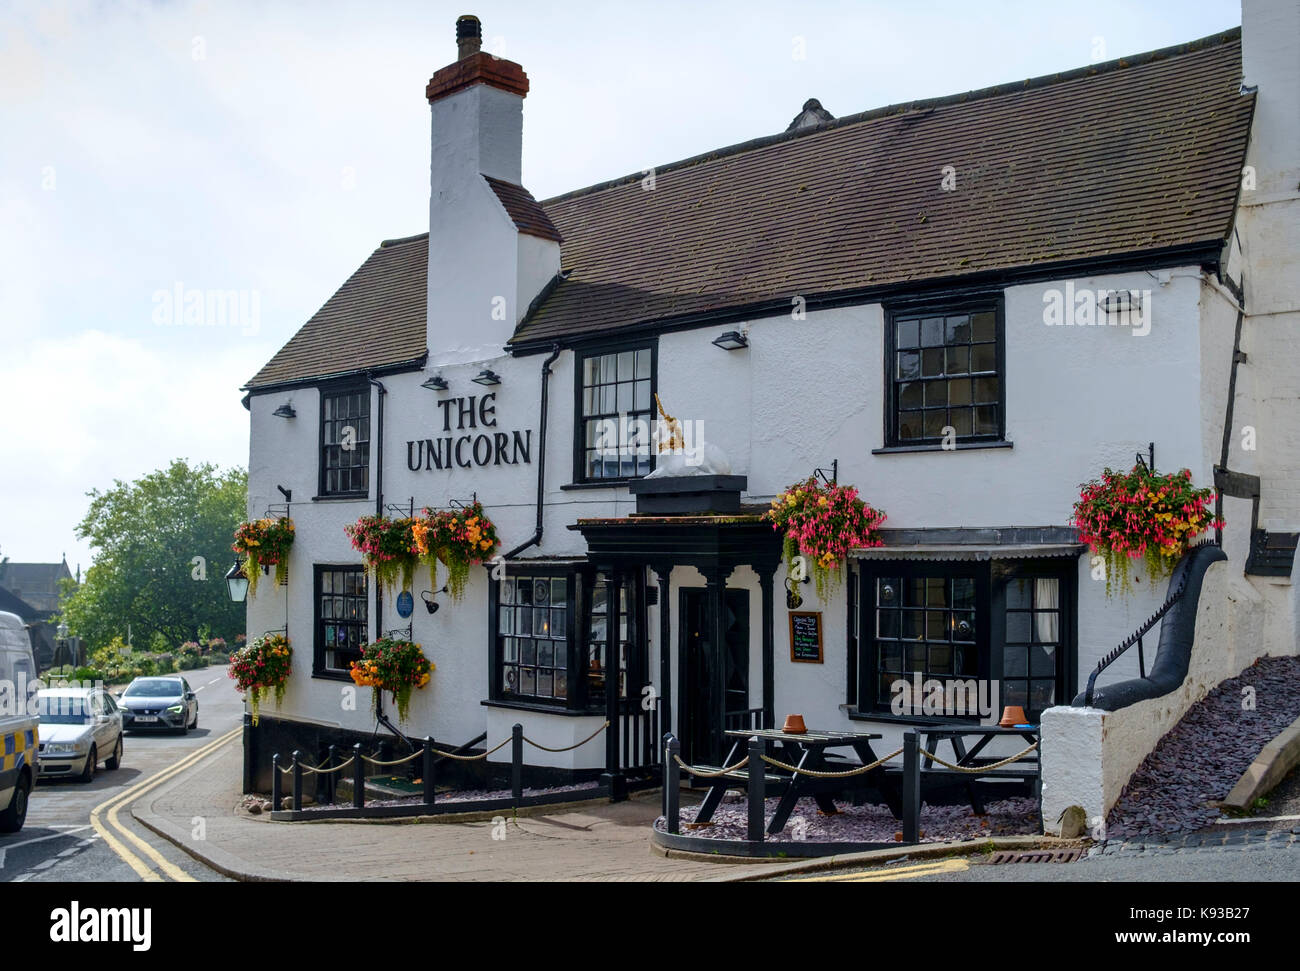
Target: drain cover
{"points": [[1037, 856]]}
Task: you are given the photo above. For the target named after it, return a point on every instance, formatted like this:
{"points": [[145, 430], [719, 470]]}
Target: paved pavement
{"points": [[607, 842]]}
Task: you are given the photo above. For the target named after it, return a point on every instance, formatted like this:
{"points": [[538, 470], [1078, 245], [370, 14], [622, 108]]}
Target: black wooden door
{"points": [[702, 667]]}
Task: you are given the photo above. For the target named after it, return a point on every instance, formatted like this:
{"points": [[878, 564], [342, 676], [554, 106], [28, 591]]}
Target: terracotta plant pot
{"points": [[794, 725], [1013, 715]]}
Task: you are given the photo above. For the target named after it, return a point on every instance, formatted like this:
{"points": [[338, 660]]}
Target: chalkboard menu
{"points": [[806, 636]]}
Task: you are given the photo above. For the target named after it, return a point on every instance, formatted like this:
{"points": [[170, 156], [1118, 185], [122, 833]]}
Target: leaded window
{"points": [[945, 376], [345, 442], [532, 627], [925, 626], [615, 414], [341, 618]]}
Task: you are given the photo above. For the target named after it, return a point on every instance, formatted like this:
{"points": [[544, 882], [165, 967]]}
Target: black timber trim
{"points": [[357, 374], [1205, 254]]}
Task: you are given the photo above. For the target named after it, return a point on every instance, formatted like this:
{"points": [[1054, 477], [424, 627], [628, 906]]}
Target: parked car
{"points": [[160, 702], [19, 755], [80, 727]]}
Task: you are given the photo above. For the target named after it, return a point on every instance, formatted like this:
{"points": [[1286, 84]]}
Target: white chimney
{"points": [[486, 262], [1270, 56]]}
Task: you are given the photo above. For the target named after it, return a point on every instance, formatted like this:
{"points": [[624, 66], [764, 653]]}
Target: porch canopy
{"points": [[715, 545]]}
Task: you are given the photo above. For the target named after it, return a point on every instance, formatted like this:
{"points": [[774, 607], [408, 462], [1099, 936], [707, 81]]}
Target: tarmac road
{"points": [[61, 843]]}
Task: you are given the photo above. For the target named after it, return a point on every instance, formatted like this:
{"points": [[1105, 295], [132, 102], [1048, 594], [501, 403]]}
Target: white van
{"points": [[18, 723]]}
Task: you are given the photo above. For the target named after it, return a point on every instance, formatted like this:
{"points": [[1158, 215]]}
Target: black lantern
{"points": [[237, 582], [732, 340], [284, 411], [435, 383], [487, 377]]}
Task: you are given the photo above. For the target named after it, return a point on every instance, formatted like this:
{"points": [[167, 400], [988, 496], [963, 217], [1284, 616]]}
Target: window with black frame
{"points": [[1031, 655], [345, 442], [533, 637], [341, 609], [925, 628], [945, 376], [615, 414]]}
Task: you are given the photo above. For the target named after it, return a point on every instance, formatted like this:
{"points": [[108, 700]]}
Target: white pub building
{"points": [[965, 307]]}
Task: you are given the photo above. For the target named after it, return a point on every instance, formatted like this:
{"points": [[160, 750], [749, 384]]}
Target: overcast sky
{"points": [[267, 147]]}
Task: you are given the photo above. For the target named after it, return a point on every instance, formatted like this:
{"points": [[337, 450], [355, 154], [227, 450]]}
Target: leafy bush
{"points": [[88, 675], [218, 657]]}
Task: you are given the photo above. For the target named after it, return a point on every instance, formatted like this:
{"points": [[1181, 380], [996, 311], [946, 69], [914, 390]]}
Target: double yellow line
{"points": [[897, 873], [107, 823]]}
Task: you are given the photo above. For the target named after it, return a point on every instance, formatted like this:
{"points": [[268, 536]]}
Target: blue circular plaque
{"points": [[405, 604]]}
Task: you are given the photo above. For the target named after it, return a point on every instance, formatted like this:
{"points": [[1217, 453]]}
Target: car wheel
{"points": [[115, 761], [11, 819], [195, 723], [88, 773]]}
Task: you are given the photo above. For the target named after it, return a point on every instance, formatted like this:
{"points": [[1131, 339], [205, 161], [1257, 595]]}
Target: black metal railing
{"points": [[1135, 638], [638, 738]]}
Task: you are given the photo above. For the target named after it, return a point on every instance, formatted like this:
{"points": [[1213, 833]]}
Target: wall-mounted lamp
{"points": [[793, 601], [284, 411], [732, 340], [237, 582], [487, 377], [430, 604], [435, 383]]}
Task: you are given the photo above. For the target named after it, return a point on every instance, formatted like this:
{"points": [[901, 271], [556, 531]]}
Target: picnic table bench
{"points": [[805, 753]]}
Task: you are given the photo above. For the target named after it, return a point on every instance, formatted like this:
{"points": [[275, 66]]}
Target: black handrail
{"points": [[1135, 638], [1173, 654]]}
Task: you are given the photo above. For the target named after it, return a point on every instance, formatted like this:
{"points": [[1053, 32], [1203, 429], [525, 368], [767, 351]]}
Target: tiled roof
{"points": [[1118, 159], [1135, 156], [528, 215]]}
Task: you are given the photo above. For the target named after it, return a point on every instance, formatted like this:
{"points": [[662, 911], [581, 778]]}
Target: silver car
{"points": [[80, 727], [165, 701]]}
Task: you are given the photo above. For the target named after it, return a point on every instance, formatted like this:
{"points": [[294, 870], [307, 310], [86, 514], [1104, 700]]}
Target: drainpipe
{"points": [[379, 511], [541, 456]]}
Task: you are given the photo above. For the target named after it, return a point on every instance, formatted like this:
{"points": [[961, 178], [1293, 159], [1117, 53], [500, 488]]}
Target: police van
{"points": [[18, 722]]}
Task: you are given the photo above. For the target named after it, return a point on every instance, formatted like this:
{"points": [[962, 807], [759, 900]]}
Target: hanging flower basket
{"points": [[458, 538], [396, 666], [1127, 515], [387, 548], [264, 543], [261, 667], [822, 523]]}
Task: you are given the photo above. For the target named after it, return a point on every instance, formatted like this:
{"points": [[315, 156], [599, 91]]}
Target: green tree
{"points": [[162, 546]]}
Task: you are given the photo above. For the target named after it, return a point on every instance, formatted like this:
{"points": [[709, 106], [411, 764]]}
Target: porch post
{"points": [[664, 573], [613, 776], [716, 585], [767, 578]]}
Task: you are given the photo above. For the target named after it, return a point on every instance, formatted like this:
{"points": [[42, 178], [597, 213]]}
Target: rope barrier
{"points": [[568, 748], [470, 758], [384, 765], [317, 770], [704, 774], [815, 774], [975, 769]]}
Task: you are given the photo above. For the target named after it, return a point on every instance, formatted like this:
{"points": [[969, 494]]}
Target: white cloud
{"points": [[88, 409]]}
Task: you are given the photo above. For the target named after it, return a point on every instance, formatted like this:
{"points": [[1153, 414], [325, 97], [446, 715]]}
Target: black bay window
{"points": [[549, 628], [614, 413], [340, 619], [988, 633], [345, 441], [945, 375]]}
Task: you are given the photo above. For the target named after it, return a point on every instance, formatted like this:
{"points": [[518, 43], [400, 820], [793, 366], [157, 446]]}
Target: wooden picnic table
{"points": [[806, 751], [971, 758]]}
